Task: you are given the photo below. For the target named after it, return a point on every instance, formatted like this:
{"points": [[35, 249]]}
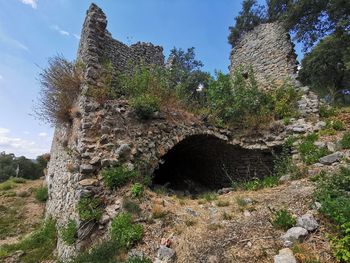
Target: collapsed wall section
{"points": [[269, 51]]}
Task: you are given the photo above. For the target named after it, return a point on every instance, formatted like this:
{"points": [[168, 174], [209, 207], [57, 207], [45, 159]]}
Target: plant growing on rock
{"points": [[309, 152], [69, 233], [89, 208], [137, 190], [345, 141], [124, 231], [118, 176], [60, 87], [145, 106]]}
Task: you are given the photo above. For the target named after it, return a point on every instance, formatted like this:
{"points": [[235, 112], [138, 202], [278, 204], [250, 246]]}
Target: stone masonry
{"points": [[109, 134], [269, 51]]}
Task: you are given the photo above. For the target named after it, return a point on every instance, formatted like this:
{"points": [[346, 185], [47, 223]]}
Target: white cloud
{"points": [[11, 41], [26, 132], [60, 30], [19, 146], [42, 134], [1, 77], [76, 36], [32, 3]]}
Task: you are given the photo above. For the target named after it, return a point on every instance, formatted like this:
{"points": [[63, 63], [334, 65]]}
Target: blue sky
{"points": [[31, 31]]}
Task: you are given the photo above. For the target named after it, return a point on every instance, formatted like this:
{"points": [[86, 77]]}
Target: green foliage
{"points": [[104, 252], [41, 194], [209, 196], [284, 165], [27, 168], [37, 247], [118, 176], [69, 233], [283, 220], [327, 111], [345, 141], [313, 20], [89, 208], [337, 125], [277, 9], [136, 259], [60, 86], [249, 17], [124, 231], [145, 105], [137, 190], [12, 218], [324, 67], [256, 184], [333, 193], [309, 152], [131, 206], [284, 99]]}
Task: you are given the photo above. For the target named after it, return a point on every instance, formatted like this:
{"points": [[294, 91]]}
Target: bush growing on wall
{"points": [[60, 86]]}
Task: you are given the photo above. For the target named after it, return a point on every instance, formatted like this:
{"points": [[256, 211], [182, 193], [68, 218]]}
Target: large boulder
{"points": [[293, 235], [331, 158]]}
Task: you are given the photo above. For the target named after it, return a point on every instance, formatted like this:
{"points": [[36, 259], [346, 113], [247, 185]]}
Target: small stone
{"points": [[246, 213], [86, 168], [316, 205], [96, 160], [308, 222], [284, 178], [285, 255], [331, 146], [213, 259], [124, 151], [88, 182], [165, 253], [225, 190], [191, 211], [332, 158], [294, 234]]}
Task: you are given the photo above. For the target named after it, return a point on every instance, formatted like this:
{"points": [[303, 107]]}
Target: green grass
{"points": [[38, 246], [131, 206], [283, 220], [41, 194], [256, 184], [124, 231], [104, 252], [11, 183], [345, 141], [209, 196], [11, 219], [309, 152], [69, 233], [137, 190]]}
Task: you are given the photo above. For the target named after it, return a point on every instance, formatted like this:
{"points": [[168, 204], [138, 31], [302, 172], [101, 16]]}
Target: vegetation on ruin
{"points": [[41, 194], [118, 176], [333, 193], [69, 233], [283, 219], [309, 152], [89, 208]]}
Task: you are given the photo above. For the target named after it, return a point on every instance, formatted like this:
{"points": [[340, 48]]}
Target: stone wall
{"points": [[98, 47], [269, 51]]}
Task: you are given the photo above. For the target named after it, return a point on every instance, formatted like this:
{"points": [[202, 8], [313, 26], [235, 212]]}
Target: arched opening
{"points": [[204, 162]]}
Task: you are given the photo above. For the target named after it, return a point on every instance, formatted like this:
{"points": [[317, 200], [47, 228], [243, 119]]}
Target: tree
{"points": [[311, 20], [7, 167], [277, 9], [251, 15], [325, 67]]}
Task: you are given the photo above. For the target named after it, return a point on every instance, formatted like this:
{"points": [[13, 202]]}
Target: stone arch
{"points": [[202, 162]]}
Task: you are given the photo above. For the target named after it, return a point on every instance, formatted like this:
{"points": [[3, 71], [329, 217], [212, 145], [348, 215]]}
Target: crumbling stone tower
{"points": [[173, 144]]}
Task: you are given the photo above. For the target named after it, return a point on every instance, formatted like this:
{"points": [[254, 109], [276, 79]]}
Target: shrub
{"points": [[89, 208], [209, 196], [338, 125], [104, 252], [131, 207], [69, 233], [60, 87], [285, 100], [283, 220], [137, 190], [145, 106], [124, 232], [118, 176], [327, 111], [332, 192], [41, 194], [309, 152], [345, 141], [38, 246], [136, 259], [256, 184]]}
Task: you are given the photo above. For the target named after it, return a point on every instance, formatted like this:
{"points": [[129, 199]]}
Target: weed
{"points": [[124, 231], [137, 190], [104, 252], [190, 222], [338, 125], [131, 206], [41, 194], [283, 220], [303, 254], [209, 196], [345, 141], [145, 106], [136, 259], [89, 208], [69, 233], [309, 152], [7, 185], [327, 111], [118, 176], [226, 216], [158, 212], [222, 203], [38, 246]]}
